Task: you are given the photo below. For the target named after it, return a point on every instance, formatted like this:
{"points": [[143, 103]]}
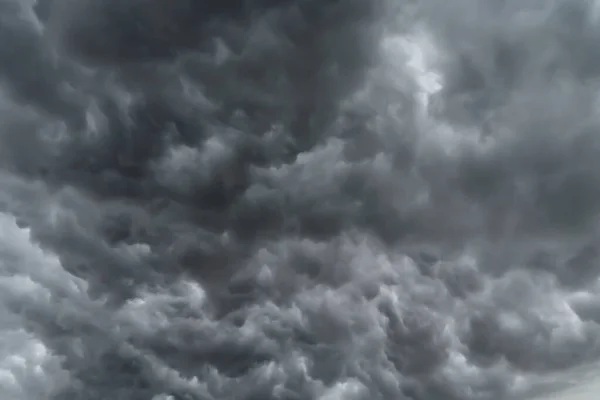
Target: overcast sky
{"points": [[298, 200]]}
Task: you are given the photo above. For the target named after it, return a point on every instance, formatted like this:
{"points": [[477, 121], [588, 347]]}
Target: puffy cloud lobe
{"points": [[299, 200]]}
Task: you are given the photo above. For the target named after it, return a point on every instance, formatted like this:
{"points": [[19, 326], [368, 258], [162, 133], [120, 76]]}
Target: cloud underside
{"points": [[325, 200]]}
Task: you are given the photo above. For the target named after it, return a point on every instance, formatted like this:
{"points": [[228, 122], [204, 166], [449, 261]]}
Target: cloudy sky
{"points": [[299, 199]]}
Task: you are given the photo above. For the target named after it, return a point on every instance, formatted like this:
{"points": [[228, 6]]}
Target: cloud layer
{"points": [[305, 199]]}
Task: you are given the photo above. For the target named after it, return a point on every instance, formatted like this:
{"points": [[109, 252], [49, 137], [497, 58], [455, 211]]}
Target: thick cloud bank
{"points": [[297, 200]]}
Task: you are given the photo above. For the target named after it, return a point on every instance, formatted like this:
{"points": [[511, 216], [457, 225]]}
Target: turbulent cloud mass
{"points": [[298, 200]]}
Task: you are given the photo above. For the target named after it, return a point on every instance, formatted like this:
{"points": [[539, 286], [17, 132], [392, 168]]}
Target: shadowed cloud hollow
{"points": [[299, 199]]}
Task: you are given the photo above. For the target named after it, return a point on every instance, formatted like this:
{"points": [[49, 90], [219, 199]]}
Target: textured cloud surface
{"points": [[301, 199]]}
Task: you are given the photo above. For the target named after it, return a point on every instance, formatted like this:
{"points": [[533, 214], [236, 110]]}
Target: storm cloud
{"points": [[302, 199]]}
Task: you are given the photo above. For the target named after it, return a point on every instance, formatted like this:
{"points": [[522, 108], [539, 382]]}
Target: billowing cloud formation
{"points": [[304, 199]]}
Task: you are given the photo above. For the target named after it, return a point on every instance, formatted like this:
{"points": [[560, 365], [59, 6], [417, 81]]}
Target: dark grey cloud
{"points": [[298, 199]]}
